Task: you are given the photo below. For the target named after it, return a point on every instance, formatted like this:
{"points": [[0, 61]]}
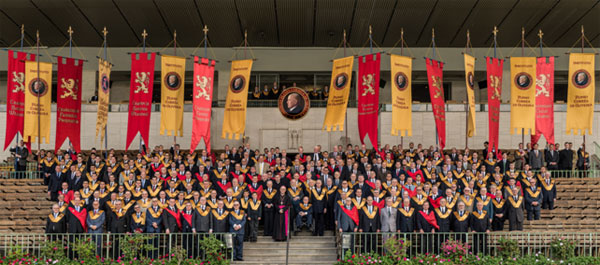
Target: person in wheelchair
{"points": [[304, 218]]}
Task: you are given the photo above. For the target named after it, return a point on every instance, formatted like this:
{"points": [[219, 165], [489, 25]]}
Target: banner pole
{"points": [[467, 101], [376, 145], [495, 32], [175, 53], [70, 31], [346, 118], [144, 35], [21, 49], [39, 108], [522, 55], [245, 49], [433, 48], [582, 47], [402, 54], [105, 32]]}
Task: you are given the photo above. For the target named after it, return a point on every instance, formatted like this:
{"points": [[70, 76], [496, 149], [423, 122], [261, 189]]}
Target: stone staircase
{"points": [[304, 249]]}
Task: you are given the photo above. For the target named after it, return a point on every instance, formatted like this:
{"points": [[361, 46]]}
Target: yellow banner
{"points": [[522, 94], [401, 67], [234, 122], [171, 95], [470, 82], [103, 97], [341, 77], [580, 102], [38, 100]]}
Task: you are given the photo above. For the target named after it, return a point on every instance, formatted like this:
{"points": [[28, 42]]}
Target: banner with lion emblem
{"points": [[140, 96], [171, 95], [38, 96], [494, 68], [368, 97], [68, 102], [337, 103], [544, 100], [522, 94], [438, 102], [580, 101], [234, 122], [204, 71], [15, 95]]}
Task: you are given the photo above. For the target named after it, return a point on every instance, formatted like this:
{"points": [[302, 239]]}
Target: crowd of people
{"points": [[347, 189]]}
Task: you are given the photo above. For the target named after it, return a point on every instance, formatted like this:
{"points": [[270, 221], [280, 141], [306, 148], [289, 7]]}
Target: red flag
{"points": [[368, 97], [68, 103], [494, 86], [436, 93], [15, 96], [140, 96], [204, 72], [544, 100]]}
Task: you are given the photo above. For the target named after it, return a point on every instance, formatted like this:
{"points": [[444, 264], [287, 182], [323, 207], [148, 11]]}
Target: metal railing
{"points": [[108, 245], [21, 175], [587, 244], [590, 173], [10, 166]]}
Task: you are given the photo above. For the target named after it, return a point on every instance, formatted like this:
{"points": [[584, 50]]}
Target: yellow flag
{"points": [[103, 97], [171, 95], [234, 122], [522, 94], [341, 77], [37, 101], [470, 82], [580, 101], [401, 67]]}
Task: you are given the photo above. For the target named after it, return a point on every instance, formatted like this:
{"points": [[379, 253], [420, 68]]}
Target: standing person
{"points": [[20, 152], [269, 208], [479, 224], [460, 221], [237, 221], [118, 223], [443, 216], [154, 224], [188, 220], [254, 216], [219, 218], [514, 211], [282, 203], [565, 159], [370, 223], [499, 206], [426, 225], [76, 217], [171, 218], [319, 202], [390, 221], [55, 182], [548, 191], [56, 223], [536, 158], [533, 200], [347, 219], [95, 222], [406, 219]]}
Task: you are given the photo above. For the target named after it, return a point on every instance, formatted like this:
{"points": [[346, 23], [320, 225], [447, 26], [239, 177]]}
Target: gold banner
{"points": [[522, 94], [580, 101], [234, 122], [103, 97], [171, 95], [341, 77], [38, 100], [470, 82], [401, 67]]}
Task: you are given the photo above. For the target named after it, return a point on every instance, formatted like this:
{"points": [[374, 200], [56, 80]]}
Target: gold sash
{"points": [[443, 215], [141, 220], [370, 215], [546, 186], [516, 204], [534, 194], [461, 218], [498, 204], [305, 208], [407, 214], [219, 217], [54, 220], [237, 216], [205, 212], [271, 195], [476, 214], [320, 197], [253, 206]]}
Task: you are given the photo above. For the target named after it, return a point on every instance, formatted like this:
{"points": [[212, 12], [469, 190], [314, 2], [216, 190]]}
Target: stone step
{"points": [[282, 245], [300, 238], [299, 258], [290, 262], [250, 251]]}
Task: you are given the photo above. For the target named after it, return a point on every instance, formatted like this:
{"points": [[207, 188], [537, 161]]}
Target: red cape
{"points": [[81, 216], [176, 215], [430, 218], [353, 214], [187, 217]]}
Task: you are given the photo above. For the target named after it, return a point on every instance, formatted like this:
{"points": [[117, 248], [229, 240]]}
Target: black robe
{"points": [[56, 225], [281, 220]]}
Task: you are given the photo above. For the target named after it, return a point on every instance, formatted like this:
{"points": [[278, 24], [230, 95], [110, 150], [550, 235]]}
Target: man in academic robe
{"points": [[55, 182], [514, 210], [137, 224], [56, 223], [154, 224], [499, 206], [268, 208], [254, 212], [188, 221], [460, 221], [533, 200], [370, 223], [76, 217], [305, 214], [319, 203], [548, 191], [443, 216], [171, 218], [406, 217], [237, 222], [347, 219], [479, 224], [426, 225], [118, 223], [219, 218], [95, 223]]}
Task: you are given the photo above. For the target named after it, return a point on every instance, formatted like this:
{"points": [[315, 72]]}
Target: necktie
{"points": [[389, 211], [461, 213]]}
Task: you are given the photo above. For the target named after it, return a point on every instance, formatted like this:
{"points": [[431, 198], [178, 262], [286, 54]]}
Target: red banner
{"points": [[494, 86], [204, 72], [140, 96], [436, 93], [544, 100], [368, 97], [68, 102], [15, 96]]}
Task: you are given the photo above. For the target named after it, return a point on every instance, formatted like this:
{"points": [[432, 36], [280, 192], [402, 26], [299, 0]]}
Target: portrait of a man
{"points": [[294, 103], [172, 81], [340, 81], [38, 87], [470, 80], [401, 81], [237, 84], [105, 83], [523, 81], [581, 79]]}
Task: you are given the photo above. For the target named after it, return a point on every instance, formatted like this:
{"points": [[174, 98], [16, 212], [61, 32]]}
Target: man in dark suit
{"points": [[171, 218], [479, 224], [548, 191], [188, 226], [406, 217], [565, 158], [536, 158], [154, 224], [55, 183], [20, 152], [533, 200], [219, 218], [369, 223], [504, 163], [552, 158], [514, 210], [237, 222]]}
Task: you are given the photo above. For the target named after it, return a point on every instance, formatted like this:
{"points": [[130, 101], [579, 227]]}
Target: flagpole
{"points": [[582, 47], [205, 30], [39, 108], [522, 55], [21, 49], [175, 53], [402, 54], [144, 35], [376, 145], [495, 32], [105, 32], [467, 96], [245, 49], [70, 31], [433, 48], [346, 118]]}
